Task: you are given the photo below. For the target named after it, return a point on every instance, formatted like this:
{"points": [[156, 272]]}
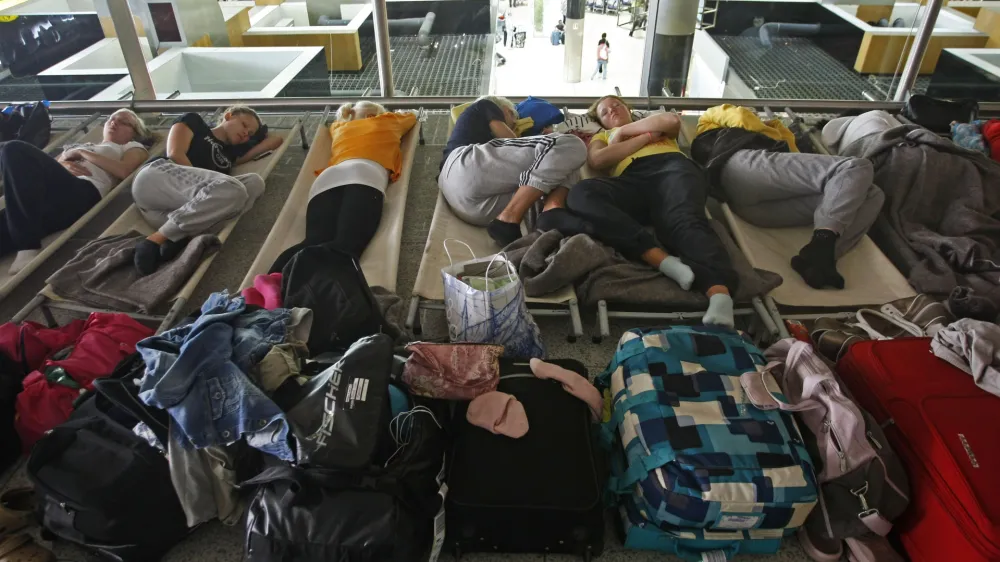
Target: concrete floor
{"points": [[217, 543]]}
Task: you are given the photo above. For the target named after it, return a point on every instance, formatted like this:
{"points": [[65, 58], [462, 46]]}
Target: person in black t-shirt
{"points": [[491, 178], [191, 192]]}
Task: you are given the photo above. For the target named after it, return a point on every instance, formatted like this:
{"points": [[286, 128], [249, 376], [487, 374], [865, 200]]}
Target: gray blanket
{"points": [[102, 274], [940, 224], [548, 262]]}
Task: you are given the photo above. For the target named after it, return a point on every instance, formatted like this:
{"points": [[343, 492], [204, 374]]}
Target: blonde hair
{"points": [[142, 133], [592, 110], [350, 111], [240, 109], [502, 103]]}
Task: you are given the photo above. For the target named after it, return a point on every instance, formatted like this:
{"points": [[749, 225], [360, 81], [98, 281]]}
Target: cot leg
{"points": [[765, 317], [302, 133], [172, 314], [773, 309], [411, 314], [574, 317], [23, 314], [50, 320], [422, 118], [603, 327]]}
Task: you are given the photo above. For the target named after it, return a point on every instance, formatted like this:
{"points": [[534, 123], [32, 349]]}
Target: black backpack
{"points": [[331, 283], [381, 513], [11, 375], [30, 123], [340, 418], [99, 485]]}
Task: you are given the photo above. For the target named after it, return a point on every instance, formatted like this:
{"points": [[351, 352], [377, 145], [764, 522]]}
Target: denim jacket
{"points": [[206, 363]]}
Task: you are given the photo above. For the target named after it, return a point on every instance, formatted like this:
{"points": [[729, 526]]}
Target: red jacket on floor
{"points": [[29, 344], [49, 391], [991, 132]]}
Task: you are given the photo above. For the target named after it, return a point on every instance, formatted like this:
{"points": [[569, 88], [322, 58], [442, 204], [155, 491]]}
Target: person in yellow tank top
{"points": [[345, 201], [651, 182]]}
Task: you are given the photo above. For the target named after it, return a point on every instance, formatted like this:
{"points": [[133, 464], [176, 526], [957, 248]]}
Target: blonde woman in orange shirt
{"points": [[345, 201]]}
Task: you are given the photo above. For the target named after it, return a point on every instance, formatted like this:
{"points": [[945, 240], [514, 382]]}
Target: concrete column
{"points": [[573, 53], [669, 40], [128, 40]]}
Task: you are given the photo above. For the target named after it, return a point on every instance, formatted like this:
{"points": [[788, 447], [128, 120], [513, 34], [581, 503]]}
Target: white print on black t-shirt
{"points": [[218, 156]]}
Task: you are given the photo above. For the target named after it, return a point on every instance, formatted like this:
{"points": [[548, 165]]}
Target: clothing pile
{"points": [[548, 261], [940, 199]]}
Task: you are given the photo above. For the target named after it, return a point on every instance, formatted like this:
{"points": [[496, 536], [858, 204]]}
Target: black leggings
{"points": [[668, 191], [41, 197], [343, 217]]}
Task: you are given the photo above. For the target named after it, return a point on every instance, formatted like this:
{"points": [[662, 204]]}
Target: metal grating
{"points": [[453, 66], [795, 68]]}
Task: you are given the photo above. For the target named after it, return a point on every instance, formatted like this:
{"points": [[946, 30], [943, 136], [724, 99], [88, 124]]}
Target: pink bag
{"points": [[863, 486], [452, 371]]}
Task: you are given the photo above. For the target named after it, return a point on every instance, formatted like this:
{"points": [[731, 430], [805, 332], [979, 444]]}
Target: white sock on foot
{"points": [[720, 311], [674, 268], [21, 260]]}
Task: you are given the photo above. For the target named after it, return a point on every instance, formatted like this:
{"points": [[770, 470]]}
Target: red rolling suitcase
{"points": [[947, 432]]}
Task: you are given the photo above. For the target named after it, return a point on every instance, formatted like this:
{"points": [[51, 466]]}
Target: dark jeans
{"points": [[41, 197], [668, 191], [343, 217]]}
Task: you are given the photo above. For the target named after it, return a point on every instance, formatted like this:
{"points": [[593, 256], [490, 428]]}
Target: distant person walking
{"points": [[603, 50]]}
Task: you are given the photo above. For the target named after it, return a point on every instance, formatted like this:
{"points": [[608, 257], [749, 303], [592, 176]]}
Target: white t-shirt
{"points": [[101, 179], [356, 170]]}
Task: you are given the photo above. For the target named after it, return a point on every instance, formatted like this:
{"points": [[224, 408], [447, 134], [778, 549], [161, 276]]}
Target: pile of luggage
{"points": [[694, 440]]}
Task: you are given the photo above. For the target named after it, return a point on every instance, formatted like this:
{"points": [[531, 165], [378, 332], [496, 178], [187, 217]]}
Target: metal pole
{"points": [[382, 48], [912, 68], [128, 41]]}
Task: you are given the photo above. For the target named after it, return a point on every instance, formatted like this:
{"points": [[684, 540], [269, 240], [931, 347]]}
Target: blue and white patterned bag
{"points": [[695, 466], [484, 303]]}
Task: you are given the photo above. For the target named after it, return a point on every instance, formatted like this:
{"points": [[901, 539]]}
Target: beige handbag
{"points": [[919, 316]]}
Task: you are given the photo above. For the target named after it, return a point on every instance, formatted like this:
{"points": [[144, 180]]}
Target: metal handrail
{"points": [[432, 103]]}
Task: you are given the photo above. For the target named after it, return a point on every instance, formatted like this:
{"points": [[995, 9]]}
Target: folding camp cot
{"points": [[131, 220], [870, 278], [380, 262], [428, 291]]}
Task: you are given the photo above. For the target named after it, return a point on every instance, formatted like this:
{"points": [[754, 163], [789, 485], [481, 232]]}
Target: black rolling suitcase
{"points": [[540, 493]]}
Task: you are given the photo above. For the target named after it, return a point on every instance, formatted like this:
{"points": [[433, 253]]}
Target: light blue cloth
{"points": [[197, 372]]}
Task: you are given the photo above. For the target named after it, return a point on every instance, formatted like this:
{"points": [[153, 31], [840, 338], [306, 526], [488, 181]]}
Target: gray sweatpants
{"points": [[182, 201], [479, 180], [781, 189]]}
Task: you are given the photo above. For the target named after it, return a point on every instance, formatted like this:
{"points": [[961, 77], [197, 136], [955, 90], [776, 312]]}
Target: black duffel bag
{"points": [[99, 485], [938, 114], [385, 513]]}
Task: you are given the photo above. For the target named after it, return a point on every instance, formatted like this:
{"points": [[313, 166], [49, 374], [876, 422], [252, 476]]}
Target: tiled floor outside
{"points": [[216, 543]]}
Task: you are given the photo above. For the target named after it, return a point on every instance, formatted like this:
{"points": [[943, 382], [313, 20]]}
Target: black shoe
{"points": [[170, 249], [147, 257], [503, 233]]}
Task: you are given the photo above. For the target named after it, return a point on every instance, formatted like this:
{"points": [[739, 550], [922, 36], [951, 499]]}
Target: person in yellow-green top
{"points": [[345, 201], [760, 173], [651, 182]]}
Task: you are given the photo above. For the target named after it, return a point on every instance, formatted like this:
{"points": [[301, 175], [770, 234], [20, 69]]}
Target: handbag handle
{"points": [[447, 253], [874, 334]]}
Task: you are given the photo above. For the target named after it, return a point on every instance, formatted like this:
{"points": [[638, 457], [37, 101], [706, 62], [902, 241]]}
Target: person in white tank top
{"points": [[45, 195]]}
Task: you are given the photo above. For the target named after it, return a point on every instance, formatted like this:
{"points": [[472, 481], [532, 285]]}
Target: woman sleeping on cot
{"points": [[45, 194], [190, 192], [345, 201], [651, 182]]}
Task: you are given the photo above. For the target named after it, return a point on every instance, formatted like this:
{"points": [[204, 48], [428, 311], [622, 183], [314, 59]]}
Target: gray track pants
{"points": [[182, 201], [780, 189], [479, 180]]}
